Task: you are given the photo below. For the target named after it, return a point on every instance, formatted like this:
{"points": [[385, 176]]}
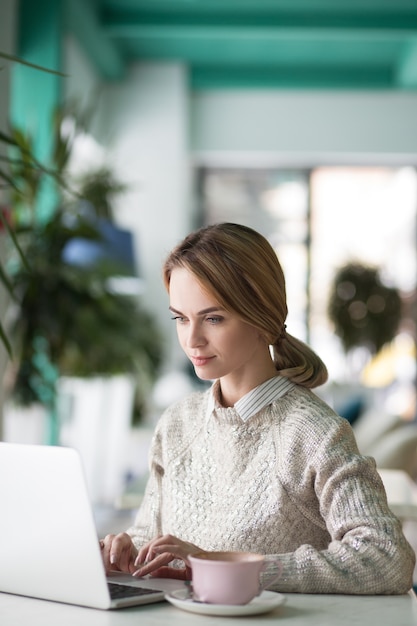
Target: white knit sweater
{"points": [[290, 482]]}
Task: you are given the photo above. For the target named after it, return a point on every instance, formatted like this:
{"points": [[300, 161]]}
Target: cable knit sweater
{"points": [[289, 482]]}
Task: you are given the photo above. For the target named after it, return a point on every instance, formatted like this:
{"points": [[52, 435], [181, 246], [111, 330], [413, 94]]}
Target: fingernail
{"points": [[113, 559]]}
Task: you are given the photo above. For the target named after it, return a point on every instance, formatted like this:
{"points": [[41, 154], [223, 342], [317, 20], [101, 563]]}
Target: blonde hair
{"points": [[239, 267]]}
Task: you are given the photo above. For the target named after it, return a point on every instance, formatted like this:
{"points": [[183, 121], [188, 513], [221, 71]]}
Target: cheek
{"points": [[236, 343], [181, 335], [248, 342]]}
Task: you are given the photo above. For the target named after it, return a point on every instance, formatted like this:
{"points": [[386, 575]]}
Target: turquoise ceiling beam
{"points": [[371, 41], [365, 6], [35, 94], [82, 19], [264, 49], [285, 77], [117, 21]]}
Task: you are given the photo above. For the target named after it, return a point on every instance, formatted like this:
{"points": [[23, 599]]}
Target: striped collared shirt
{"points": [[256, 399]]}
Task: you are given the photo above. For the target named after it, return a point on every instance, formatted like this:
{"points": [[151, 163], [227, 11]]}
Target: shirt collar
{"points": [[256, 399]]}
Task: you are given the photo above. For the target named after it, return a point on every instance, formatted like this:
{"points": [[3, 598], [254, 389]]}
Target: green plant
{"points": [[31, 169], [20, 176], [98, 188], [364, 311], [67, 319]]}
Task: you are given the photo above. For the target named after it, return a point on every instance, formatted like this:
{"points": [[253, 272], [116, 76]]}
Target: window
{"points": [[318, 220]]}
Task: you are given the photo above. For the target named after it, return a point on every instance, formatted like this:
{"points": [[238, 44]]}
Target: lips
{"points": [[200, 361]]}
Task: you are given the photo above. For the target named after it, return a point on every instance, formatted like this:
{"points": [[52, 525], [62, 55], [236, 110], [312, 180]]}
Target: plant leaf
{"points": [[15, 241], [8, 179], [7, 139], [4, 279], [6, 341], [11, 57]]}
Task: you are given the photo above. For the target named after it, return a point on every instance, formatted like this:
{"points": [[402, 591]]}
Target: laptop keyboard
{"points": [[127, 591]]}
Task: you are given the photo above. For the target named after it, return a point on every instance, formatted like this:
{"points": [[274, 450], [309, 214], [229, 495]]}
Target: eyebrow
{"points": [[211, 309]]}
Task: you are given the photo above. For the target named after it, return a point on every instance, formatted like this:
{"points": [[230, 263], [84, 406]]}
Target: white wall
{"points": [[144, 122], [304, 127], [81, 83]]}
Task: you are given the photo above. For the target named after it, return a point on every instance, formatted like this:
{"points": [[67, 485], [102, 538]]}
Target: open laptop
{"points": [[49, 547]]}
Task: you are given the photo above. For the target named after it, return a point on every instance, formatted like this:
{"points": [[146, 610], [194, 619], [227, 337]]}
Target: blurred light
{"points": [[126, 285], [115, 247], [286, 200]]}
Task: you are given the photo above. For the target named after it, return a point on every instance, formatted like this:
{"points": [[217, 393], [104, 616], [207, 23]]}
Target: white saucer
{"points": [[263, 603]]}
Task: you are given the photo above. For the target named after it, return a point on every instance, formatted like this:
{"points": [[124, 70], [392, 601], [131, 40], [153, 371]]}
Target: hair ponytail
{"points": [[298, 362]]}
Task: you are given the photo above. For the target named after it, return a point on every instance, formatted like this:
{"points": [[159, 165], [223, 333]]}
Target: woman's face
{"points": [[217, 342]]}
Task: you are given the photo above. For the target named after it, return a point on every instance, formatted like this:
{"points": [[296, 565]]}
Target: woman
{"points": [[257, 462]]}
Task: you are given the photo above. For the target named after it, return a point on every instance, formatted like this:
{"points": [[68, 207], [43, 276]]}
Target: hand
{"points": [[118, 553], [154, 557]]}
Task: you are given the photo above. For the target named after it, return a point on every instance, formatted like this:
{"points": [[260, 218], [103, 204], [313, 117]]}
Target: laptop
{"points": [[49, 547]]}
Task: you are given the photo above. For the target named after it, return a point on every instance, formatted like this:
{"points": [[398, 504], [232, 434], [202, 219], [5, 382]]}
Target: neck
{"points": [[231, 390]]}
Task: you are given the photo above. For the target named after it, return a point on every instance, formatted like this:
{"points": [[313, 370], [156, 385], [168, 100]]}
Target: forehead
{"points": [[186, 289]]}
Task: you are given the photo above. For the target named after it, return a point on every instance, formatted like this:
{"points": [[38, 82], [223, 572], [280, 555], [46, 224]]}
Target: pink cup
{"points": [[229, 577]]}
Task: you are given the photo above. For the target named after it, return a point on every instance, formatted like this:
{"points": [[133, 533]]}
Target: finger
{"points": [[121, 550], [127, 557], [128, 560], [109, 547], [104, 553], [145, 552], [169, 544], [177, 551], [171, 572], [105, 546], [116, 549], [150, 566], [158, 540]]}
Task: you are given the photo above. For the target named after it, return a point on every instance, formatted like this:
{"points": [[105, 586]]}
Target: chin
{"points": [[205, 375]]}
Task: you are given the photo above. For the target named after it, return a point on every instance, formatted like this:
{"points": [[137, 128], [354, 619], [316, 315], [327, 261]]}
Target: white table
{"points": [[298, 610]]}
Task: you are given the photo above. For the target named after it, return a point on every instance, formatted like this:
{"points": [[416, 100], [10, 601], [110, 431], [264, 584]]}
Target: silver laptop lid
{"points": [[48, 541]]}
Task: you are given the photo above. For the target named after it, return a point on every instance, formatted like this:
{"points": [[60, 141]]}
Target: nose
{"points": [[195, 336]]}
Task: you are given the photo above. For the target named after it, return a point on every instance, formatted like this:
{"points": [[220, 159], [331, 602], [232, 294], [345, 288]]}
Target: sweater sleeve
{"points": [[367, 553], [147, 523]]}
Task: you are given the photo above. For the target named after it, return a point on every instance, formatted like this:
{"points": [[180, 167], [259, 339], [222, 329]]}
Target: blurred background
{"points": [[124, 124]]}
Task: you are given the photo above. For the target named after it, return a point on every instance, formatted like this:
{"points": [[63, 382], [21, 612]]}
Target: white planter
{"points": [[95, 417], [27, 425]]}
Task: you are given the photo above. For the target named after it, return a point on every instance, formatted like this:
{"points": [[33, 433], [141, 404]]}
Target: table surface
{"points": [[298, 610]]}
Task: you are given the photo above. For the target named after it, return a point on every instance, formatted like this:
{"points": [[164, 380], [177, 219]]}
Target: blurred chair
{"points": [[389, 439]]}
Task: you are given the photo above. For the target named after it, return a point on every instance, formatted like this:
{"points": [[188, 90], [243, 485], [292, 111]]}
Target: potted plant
{"points": [[65, 319], [364, 311]]}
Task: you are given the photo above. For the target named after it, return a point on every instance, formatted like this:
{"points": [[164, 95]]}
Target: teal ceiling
{"points": [[332, 44]]}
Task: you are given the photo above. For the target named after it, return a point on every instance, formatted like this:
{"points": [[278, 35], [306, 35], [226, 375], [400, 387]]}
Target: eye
{"points": [[214, 319], [179, 319]]}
